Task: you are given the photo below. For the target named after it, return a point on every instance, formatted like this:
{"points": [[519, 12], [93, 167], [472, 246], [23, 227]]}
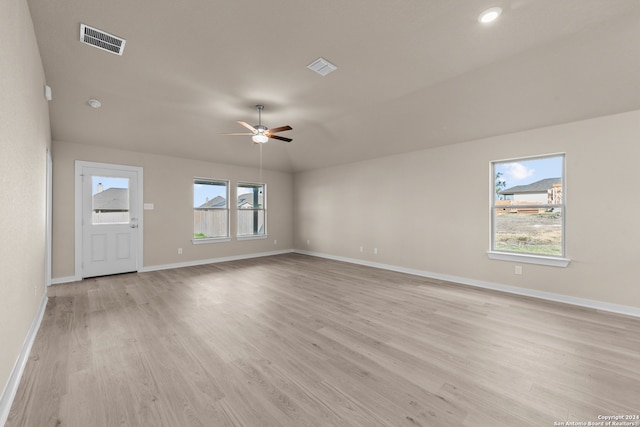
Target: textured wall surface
{"points": [[24, 139]]}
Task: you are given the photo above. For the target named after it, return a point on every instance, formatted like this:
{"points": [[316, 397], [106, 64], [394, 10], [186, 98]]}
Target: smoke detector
{"points": [[101, 39]]}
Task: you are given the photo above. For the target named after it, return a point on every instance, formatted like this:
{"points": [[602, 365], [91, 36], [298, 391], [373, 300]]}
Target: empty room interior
{"points": [[320, 213]]}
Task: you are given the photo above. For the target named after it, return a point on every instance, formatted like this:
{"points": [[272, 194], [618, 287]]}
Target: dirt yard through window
{"points": [[538, 233]]}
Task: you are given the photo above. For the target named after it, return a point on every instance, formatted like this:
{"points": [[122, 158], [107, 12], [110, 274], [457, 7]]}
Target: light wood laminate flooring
{"points": [[294, 340]]}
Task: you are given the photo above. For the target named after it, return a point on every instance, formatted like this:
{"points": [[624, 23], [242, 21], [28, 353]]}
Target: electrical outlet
{"points": [[361, 248], [518, 269], [375, 251], [308, 242], [179, 251], [275, 242]]}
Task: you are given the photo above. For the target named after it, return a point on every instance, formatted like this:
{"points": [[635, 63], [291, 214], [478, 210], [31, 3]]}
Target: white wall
{"points": [[429, 210], [168, 184], [24, 139]]}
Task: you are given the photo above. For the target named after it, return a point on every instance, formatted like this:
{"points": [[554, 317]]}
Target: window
{"points": [[527, 210], [251, 210], [210, 210], [110, 202]]}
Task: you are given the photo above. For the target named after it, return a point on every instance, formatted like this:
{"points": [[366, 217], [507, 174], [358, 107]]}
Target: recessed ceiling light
{"points": [[94, 103], [490, 15]]}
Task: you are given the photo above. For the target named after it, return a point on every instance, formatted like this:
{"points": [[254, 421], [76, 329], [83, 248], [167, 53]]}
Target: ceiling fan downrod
{"points": [[260, 107]]}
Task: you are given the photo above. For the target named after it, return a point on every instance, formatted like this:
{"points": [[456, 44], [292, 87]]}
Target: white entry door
{"points": [[110, 219]]}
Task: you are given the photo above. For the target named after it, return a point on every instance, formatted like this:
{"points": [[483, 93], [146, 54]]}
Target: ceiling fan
{"points": [[260, 133]]}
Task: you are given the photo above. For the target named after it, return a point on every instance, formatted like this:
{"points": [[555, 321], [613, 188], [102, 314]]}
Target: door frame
{"points": [[49, 226], [80, 164]]}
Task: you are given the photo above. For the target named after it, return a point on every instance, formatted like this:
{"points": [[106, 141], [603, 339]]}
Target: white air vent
{"points": [[101, 40], [322, 66]]}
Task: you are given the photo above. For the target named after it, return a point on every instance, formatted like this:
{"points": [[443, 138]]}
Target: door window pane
{"points": [[110, 201]]}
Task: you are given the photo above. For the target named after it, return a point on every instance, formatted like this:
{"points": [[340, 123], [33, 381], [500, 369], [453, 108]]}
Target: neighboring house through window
{"points": [[252, 212], [210, 210], [110, 204], [528, 210]]}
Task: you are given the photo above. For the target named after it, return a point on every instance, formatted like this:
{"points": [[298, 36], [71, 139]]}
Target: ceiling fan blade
{"points": [[248, 126], [280, 129], [241, 133], [281, 138]]}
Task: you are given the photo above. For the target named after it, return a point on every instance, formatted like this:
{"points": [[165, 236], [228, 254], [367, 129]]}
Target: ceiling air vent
{"points": [[322, 66], [101, 40]]}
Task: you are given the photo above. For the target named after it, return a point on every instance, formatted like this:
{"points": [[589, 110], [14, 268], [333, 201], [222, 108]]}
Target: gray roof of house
{"points": [[216, 202], [244, 200], [111, 199], [535, 187], [247, 199]]}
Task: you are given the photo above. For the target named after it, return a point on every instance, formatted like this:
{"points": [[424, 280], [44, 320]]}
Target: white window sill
{"points": [[529, 259], [207, 240], [252, 237]]}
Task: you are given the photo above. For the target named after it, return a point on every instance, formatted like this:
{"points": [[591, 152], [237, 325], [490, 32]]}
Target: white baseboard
{"points": [[582, 302], [10, 390], [68, 279], [213, 260], [566, 299]]}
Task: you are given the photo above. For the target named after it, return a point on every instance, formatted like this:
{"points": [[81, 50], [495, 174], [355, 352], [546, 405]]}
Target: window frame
{"points": [[524, 257], [256, 211], [227, 184]]}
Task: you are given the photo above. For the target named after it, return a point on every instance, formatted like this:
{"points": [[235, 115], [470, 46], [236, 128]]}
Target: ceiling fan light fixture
{"points": [[490, 15], [260, 138]]}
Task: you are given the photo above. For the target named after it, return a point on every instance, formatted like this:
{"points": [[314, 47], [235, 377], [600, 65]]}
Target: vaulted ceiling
{"points": [[412, 74]]}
